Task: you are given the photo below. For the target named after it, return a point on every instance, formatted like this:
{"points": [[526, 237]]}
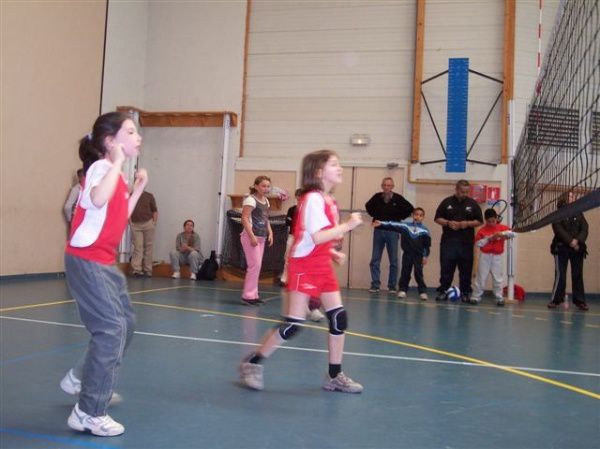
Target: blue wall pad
{"points": [[458, 103]]}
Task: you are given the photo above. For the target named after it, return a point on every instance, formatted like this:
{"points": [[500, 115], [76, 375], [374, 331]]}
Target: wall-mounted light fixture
{"points": [[360, 140]]}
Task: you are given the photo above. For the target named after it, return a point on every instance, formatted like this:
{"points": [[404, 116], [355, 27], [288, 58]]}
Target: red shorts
{"points": [[311, 277]]}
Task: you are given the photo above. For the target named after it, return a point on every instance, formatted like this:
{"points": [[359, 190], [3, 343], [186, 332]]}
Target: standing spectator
{"points": [[143, 221], [386, 206], [71, 203], [490, 240], [257, 231], [458, 215], [567, 245], [416, 242], [187, 250]]}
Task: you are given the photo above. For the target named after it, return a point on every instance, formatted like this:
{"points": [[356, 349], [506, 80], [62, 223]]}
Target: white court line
{"points": [[295, 348]]}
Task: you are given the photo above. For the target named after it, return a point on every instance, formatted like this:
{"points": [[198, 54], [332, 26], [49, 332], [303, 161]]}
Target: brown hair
{"points": [[563, 199], [257, 181], [419, 208], [311, 164]]}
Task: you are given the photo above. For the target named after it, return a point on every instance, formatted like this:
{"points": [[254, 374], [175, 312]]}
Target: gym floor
{"points": [[436, 375]]}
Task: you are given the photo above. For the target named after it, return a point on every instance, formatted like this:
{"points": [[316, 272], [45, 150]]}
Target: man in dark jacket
{"points": [[458, 215], [567, 245], [386, 206]]}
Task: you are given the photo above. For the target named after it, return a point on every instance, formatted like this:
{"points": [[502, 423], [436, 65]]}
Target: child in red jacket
{"points": [[490, 240]]}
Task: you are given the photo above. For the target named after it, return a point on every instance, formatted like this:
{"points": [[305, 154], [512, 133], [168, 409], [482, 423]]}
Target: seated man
{"points": [[187, 251]]}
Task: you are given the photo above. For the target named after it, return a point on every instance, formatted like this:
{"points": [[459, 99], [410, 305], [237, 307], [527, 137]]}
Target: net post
{"points": [[223, 186], [510, 244]]}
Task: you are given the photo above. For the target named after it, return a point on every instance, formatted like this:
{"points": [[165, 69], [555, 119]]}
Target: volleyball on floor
{"points": [[453, 293]]}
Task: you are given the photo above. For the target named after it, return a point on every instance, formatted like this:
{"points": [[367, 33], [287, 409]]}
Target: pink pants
{"points": [[254, 255]]}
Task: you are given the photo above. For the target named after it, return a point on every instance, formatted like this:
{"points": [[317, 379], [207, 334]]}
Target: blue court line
{"points": [[55, 439], [34, 355]]}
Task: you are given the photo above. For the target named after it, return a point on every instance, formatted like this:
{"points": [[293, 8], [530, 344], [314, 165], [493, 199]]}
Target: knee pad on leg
{"points": [[338, 321], [288, 329]]}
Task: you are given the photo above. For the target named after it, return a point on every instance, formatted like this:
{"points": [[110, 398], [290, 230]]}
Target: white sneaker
{"points": [[401, 294], [342, 383], [102, 426], [176, 275], [193, 276], [251, 375], [71, 385], [315, 315], [424, 296]]}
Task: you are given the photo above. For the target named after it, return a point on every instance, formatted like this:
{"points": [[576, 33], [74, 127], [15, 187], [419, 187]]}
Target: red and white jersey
{"points": [[315, 213], [492, 247], [97, 231]]}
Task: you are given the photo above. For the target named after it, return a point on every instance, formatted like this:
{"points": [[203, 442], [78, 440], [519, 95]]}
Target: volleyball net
{"points": [[559, 148], [233, 253]]}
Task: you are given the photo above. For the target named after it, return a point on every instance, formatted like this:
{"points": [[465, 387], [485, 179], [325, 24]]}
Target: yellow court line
{"points": [[480, 362], [31, 306], [67, 301], [450, 306], [356, 334], [398, 343], [160, 289]]}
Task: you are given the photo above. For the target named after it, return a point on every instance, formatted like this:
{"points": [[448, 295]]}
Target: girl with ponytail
{"points": [[95, 281]]}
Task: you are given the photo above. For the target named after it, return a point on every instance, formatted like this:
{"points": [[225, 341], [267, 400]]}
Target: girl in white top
{"points": [[311, 273], [257, 231]]}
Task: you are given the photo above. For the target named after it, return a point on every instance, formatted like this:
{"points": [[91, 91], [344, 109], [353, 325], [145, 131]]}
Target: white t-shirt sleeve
{"points": [[249, 201], [315, 218], [93, 177]]}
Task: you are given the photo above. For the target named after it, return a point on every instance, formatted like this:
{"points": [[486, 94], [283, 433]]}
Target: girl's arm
{"points": [[583, 231], [246, 211], [105, 189], [337, 232], [141, 179]]}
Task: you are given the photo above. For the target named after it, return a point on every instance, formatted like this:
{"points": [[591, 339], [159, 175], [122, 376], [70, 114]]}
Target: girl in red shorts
{"points": [[311, 272]]}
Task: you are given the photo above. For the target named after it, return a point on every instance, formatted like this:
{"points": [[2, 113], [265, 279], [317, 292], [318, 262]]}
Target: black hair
{"points": [[419, 208], [91, 146], [298, 192], [490, 213], [80, 173]]}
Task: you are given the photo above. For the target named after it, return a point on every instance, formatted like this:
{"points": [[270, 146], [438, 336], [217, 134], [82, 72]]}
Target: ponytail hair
{"points": [[91, 146], [257, 181]]}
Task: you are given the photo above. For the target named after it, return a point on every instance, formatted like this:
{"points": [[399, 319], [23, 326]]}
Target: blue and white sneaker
{"points": [[102, 426]]}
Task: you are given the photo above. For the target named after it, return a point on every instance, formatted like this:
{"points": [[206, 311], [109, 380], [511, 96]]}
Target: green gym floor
{"points": [[436, 375]]}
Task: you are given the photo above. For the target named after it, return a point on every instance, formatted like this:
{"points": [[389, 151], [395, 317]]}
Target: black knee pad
{"points": [[338, 321], [288, 329]]}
